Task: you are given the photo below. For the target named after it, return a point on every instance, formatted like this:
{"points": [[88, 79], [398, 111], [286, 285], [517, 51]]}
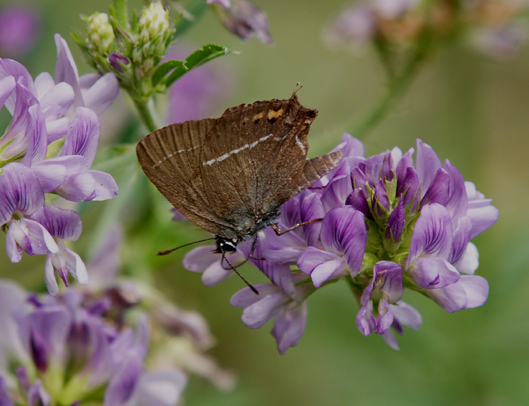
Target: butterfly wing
{"points": [[253, 159], [171, 159]]}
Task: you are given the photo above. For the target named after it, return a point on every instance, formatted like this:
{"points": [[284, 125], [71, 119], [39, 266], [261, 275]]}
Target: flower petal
{"points": [[61, 223], [246, 297], [460, 240], [245, 20], [407, 315], [159, 388], [365, 321], [124, 380], [395, 224], [321, 265], [458, 201], [427, 165], [337, 190], [53, 172], [388, 278], [432, 235], [32, 237], [101, 94], [5, 400], [83, 136], [7, 85], [75, 266], [289, 326], [66, 69], [470, 260], [19, 191], [37, 396], [438, 191], [434, 273], [471, 291], [49, 276], [344, 231], [88, 185], [57, 100], [258, 314]]}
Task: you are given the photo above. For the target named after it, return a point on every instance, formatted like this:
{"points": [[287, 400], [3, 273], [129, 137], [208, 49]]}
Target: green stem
{"points": [[120, 8], [396, 88], [146, 114]]}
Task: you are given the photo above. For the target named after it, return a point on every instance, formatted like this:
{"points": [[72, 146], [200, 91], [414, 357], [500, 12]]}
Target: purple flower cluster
{"points": [[49, 147], [388, 223], [114, 343], [66, 351]]}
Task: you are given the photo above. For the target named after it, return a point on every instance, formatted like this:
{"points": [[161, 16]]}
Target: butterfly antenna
{"points": [[239, 275], [182, 246]]}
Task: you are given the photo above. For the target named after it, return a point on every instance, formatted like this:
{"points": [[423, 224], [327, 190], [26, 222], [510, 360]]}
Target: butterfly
{"points": [[230, 175]]}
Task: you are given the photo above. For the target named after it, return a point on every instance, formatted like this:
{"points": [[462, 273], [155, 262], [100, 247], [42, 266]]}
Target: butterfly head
{"points": [[225, 244]]}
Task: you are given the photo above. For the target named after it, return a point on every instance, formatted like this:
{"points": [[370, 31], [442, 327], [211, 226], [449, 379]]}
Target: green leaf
{"points": [[197, 58], [164, 69]]}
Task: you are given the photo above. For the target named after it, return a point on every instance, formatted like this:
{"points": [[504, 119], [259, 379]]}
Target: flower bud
{"points": [[100, 35]]}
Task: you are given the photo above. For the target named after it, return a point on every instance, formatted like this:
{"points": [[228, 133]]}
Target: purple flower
{"points": [[31, 105], [65, 332], [4, 398], [343, 237], [63, 225], [117, 60], [243, 18], [403, 315], [176, 328], [384, 289], [39, 110], [382, 223], [19, 29], [290, 313], [77, 155], [213, 267], [91, 90], [21, 195]]}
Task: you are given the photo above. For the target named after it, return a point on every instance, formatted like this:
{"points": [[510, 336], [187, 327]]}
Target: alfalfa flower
{"points": [[48, 110], [383, 224]]}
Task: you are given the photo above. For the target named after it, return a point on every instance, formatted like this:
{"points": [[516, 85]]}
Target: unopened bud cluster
{"points": [[99, 34], [132, 50], [152, 39]]}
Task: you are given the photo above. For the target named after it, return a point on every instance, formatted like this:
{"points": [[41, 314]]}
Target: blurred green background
{"points": [[470, 109]]}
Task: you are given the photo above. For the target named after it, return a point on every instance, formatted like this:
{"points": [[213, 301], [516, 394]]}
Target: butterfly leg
{"points": [[281, 232]]}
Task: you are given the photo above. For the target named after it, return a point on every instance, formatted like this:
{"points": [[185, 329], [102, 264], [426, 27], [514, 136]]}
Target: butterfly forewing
{"points": [[254, 157], [171, 159]]}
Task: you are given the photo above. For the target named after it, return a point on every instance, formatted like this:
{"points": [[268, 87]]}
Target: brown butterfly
{"points": [[230, 175]]}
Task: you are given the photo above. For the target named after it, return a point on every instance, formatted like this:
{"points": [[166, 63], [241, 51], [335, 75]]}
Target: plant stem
{"points": [[146, 114], [396, 88], [120, 8]]}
